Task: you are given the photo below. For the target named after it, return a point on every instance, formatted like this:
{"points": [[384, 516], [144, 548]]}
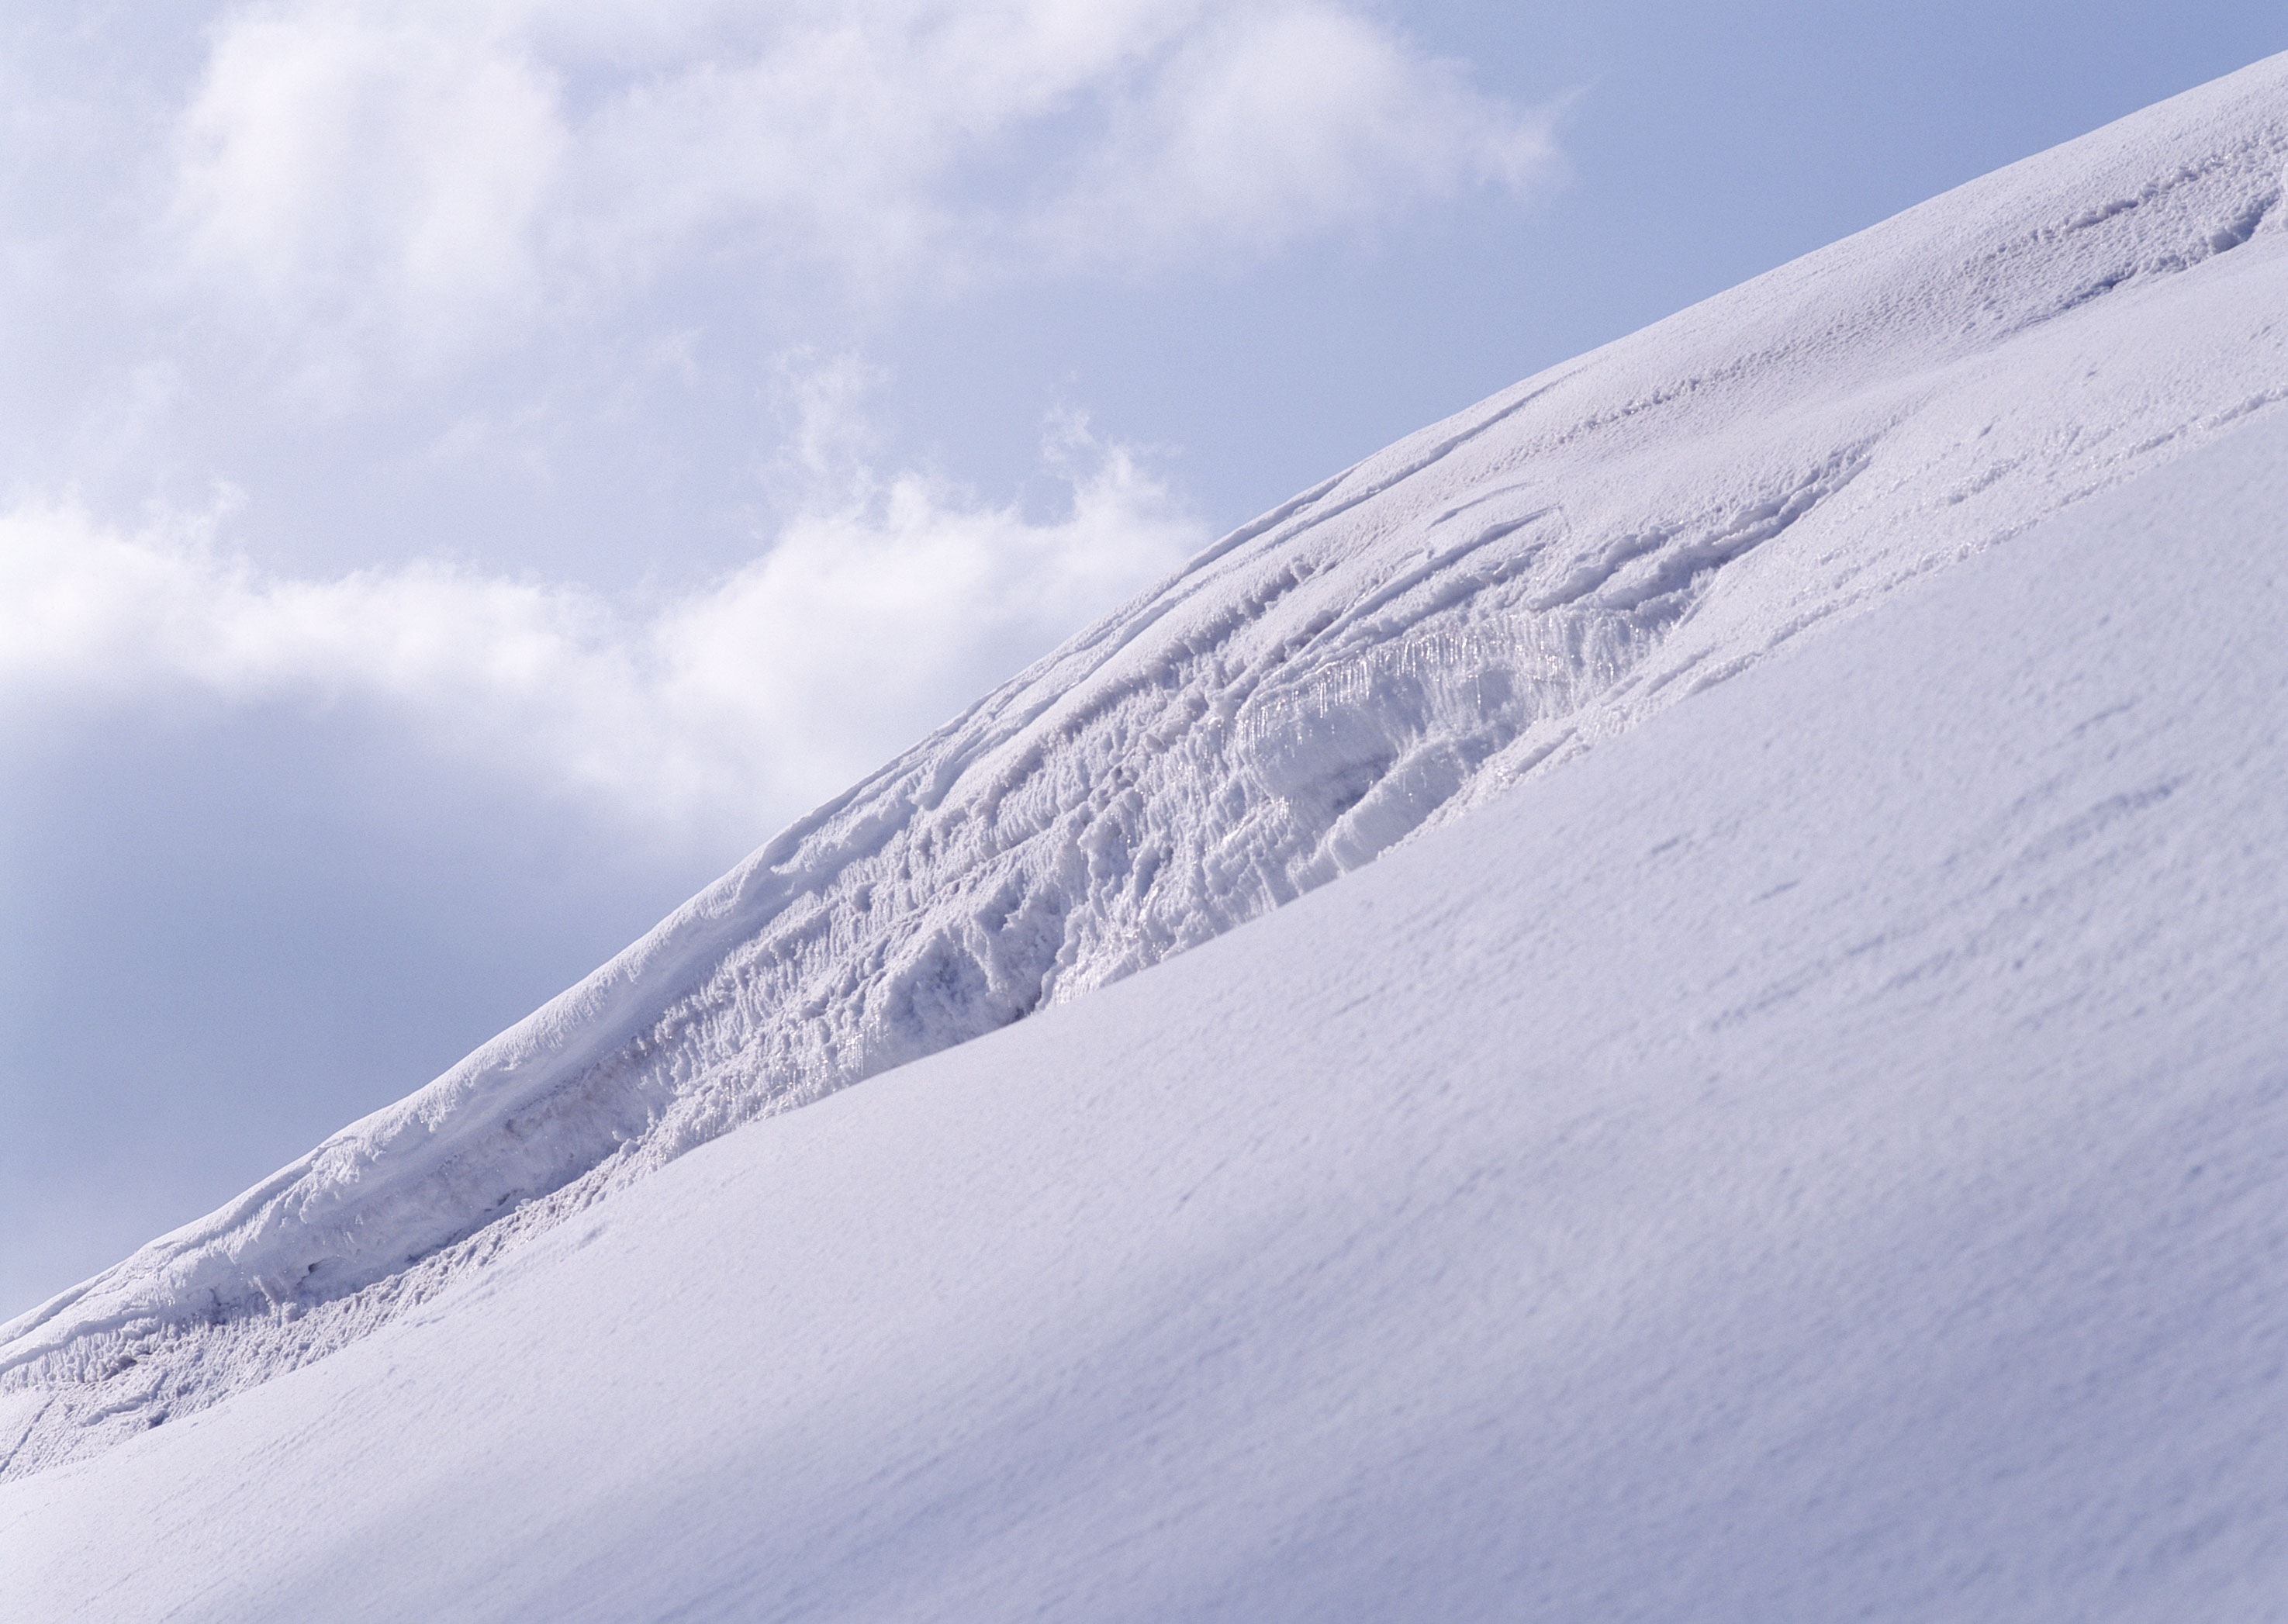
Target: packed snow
{"points": [[1802, 1145]]}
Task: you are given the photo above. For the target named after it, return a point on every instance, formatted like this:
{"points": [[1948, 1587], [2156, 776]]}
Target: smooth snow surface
{"points": [[1471, 611], [1824, 1155]]}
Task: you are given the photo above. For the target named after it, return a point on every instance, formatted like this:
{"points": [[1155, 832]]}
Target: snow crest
{"points": [[1480, 602]]}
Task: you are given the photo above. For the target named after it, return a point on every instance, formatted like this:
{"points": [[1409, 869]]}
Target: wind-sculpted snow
{"points": [[1480, 602]]}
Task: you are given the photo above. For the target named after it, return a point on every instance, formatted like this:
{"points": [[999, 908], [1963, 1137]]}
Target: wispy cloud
{"points": [[423, 181], [1277, 122], [392, 265]]}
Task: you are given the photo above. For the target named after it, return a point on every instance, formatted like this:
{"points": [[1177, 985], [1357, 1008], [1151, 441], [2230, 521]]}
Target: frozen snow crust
{"points": [[1472, 607]]}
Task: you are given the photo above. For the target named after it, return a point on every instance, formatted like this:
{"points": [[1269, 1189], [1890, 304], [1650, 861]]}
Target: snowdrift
{"points": [[1493, 606]]}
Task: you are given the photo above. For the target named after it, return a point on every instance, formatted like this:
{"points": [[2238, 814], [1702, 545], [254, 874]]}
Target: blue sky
{"points": [[470, 471]]}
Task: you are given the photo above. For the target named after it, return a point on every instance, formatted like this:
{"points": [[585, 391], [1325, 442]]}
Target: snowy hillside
{"points": [[1824, 1155], [1464, 613]]}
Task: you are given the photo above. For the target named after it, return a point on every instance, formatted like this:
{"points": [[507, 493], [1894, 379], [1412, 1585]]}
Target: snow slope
{"points": [[1823, 1156], [1473, 608]]}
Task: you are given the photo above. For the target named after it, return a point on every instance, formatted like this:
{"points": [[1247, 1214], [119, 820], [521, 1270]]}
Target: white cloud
{"points": [[380, 174], [418, 177], [706, 719], [1281, 121], [510, 249]]}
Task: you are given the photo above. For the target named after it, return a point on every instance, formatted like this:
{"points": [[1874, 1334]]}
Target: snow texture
{"points": [[1509, 592], [1823, 1156]]}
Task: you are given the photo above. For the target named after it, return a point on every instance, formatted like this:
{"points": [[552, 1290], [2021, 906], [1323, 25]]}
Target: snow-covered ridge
{"points": [[1479, 602]]}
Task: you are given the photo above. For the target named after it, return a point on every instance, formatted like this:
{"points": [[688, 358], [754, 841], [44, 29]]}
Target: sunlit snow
{"points": [[1782, 1119]]}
